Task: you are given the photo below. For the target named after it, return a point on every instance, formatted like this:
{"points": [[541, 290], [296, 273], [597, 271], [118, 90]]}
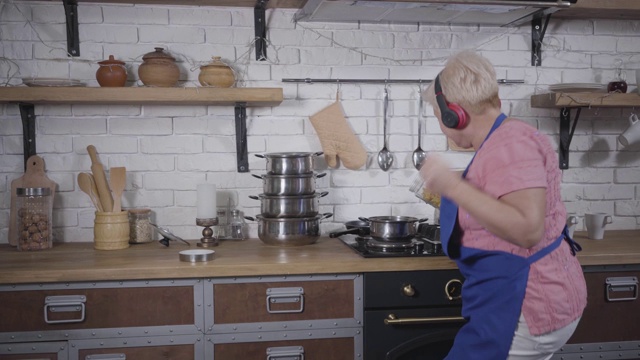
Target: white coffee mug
{"points": [[632, 134], [572, 221], [596, 223]]}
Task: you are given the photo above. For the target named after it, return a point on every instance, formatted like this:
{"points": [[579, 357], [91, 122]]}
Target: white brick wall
{"points": [[168, 150]]}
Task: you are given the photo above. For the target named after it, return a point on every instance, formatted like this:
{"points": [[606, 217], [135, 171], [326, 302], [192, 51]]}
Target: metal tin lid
{"points": [[41, 191]]}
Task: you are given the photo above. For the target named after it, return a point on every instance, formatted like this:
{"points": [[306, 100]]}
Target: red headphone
{"points": [[453, 115]]}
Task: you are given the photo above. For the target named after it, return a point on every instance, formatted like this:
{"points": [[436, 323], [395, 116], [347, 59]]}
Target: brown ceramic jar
{"points": [[216, 74], [112, 73], [159, 69]]}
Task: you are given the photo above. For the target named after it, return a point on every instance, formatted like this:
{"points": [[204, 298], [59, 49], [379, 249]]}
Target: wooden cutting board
{"points": [[34, 176]]}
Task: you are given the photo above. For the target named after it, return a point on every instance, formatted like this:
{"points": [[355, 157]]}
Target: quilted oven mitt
{"points": [[337, 138]]}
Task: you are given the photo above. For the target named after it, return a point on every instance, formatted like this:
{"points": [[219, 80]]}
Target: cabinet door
{"points": [[613, 310]]}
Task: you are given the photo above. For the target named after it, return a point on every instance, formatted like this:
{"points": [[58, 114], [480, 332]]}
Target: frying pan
{"points": [[359, 227]]}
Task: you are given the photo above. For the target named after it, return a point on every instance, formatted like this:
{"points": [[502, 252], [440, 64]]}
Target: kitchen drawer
{"points": [[323, 344], [101, 309], [41, 351], [180, 347], [283, 303], [613, 310]]}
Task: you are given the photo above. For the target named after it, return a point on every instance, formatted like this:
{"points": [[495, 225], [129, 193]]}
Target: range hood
{"points": [[482, 12]]}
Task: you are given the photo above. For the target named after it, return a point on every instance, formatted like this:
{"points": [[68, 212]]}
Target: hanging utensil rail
{"points": [[381, 81]]}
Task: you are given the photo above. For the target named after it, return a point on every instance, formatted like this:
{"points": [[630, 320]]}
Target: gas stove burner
{"points": [[390, 246], [368, 247]]}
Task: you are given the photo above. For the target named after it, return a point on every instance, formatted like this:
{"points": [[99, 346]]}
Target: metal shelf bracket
{"points": [[537, 35], [73, 39], [241, 137], [260, 29], [28, 131], [566, 135]]}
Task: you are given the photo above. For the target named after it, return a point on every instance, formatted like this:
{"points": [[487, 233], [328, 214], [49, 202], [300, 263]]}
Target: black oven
{"points": [[411, 315]]}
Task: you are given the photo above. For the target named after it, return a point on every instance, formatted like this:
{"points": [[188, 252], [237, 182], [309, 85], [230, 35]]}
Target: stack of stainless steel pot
{"points": [[289, 204]]}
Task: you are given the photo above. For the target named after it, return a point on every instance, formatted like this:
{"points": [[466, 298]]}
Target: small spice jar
{"points": [[140, 230], [34, 212]]}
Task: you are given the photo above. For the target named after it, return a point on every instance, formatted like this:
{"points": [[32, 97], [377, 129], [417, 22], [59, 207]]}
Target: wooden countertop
{"points": [[70, 262]]}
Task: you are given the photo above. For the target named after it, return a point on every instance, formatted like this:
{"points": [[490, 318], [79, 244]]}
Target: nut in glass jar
{"points": [[140, 230], [34, 208]]}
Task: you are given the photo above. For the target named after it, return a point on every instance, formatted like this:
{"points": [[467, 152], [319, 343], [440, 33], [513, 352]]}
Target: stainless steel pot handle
{"points": [[326, 216], [257, 176], [323, 194], [254, 197], [260, 156], [318, 176], [318, 153], [364, 219], [249, 218]]}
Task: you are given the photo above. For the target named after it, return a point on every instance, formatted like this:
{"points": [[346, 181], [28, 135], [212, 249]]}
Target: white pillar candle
{"points": [[206, 201]]}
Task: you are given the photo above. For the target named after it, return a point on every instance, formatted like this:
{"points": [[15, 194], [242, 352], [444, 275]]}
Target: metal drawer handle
{"points": [[392, 319], [285, 295], [106, 357], [622, 284], [64, 303], [285, 353]]}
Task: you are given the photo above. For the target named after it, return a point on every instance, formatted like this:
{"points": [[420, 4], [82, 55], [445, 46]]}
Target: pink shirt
{"points": [[515, 157]]}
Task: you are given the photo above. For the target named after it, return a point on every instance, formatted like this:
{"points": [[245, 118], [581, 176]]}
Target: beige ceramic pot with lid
{"points": [[159, 69], [217, 74]]}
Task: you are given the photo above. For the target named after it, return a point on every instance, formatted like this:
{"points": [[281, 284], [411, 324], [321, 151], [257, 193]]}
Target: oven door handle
{"points": [[392, 319]]}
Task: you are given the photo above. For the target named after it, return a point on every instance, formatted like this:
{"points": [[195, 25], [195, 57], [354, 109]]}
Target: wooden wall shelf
{"points": [[567, 101], [240, 98], [587, 99], [142, 96]]}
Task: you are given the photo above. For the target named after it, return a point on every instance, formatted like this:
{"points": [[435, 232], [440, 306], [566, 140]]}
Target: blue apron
{"points": [[494, 287]]}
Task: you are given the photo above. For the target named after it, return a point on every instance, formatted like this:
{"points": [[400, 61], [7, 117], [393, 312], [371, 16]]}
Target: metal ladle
{"points": [[385, 157], [418, 153]]}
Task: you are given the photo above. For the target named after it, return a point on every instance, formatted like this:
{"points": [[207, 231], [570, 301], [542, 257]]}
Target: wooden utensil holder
{"points": [[111, 230]]}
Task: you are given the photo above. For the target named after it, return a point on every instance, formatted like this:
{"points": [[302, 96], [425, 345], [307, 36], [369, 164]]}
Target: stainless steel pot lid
{"points": [[167, 235], [287, 155], [285, 220]]}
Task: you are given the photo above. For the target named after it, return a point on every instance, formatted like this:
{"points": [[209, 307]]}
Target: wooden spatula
{"points": [[88, 186], [117, 180]]}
